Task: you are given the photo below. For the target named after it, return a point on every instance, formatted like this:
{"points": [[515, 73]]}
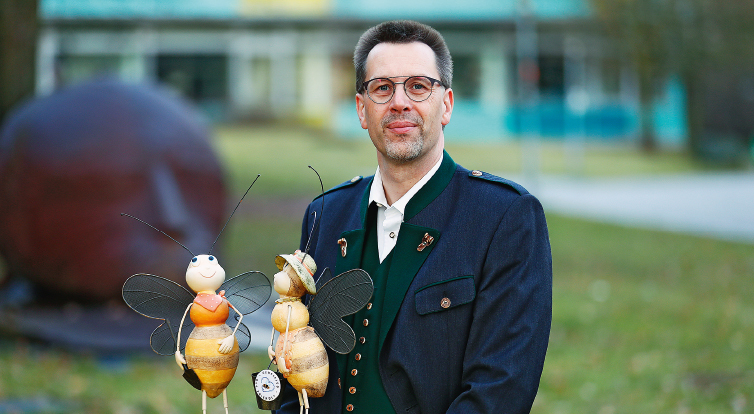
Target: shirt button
{"points": [[352, 390], [362, 339], [354, 372], [366, 322], [357, 357], [349, 407], [445, 303], [369, 305], [392, 234]]}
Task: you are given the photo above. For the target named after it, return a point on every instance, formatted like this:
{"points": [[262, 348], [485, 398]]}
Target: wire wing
{"points": [[342, 295], [162, 339], [159, 298], [247, 292]]}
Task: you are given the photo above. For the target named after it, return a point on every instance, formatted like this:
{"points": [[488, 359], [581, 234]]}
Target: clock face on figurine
{"points": [[267, 385]]}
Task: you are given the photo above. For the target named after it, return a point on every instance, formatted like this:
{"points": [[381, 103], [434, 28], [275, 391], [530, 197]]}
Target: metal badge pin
{"points": [[343, 243], [426, 241]]}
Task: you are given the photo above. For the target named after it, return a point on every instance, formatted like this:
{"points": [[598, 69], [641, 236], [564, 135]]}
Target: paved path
{"points": [[719, 205]]}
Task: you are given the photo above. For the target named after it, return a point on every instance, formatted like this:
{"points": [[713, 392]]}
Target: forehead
{"points": [[401, 59]]}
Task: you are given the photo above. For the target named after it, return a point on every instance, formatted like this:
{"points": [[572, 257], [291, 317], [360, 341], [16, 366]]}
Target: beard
{"points": [[407, 147]]}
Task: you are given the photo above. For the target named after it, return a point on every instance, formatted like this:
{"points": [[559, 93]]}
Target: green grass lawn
{"points": [[644, 321]]}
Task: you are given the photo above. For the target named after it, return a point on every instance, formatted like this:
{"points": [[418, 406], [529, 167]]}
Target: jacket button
{"points": [[352, 390], [357, 357], [354, 372], [349, 407], [445, 303]]}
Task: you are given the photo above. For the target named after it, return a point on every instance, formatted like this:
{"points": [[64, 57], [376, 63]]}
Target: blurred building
{"points": [[521, 66]]}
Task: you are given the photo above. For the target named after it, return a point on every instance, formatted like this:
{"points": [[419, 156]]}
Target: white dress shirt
{"points": [[390, 217]]}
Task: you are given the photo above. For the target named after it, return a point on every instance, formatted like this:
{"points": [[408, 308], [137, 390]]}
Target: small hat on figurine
{"points": [[304, 266]]}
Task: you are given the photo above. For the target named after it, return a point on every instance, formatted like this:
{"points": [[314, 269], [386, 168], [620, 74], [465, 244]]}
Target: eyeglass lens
{"points": [[418, 88]]}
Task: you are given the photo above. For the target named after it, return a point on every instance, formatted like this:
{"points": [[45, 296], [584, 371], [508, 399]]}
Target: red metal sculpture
{"points": [[71, 162]]}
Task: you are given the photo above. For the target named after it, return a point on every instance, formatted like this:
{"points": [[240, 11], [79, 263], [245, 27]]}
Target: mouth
{"points": [[207, 277], [400, 127]]}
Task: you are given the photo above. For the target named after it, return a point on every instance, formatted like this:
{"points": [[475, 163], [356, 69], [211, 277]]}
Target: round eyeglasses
{"points": [[417, 88]]}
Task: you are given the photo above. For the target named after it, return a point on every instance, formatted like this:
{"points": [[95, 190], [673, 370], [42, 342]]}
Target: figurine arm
{"points": [[270, 349], [284, 366], [179, 359], [226, 344]]}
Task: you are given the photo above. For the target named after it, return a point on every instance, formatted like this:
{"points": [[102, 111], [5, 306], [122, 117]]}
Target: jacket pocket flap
{"points": [[445, 295]]}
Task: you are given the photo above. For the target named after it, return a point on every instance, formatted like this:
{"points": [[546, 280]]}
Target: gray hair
{"points": [[402, 31]]}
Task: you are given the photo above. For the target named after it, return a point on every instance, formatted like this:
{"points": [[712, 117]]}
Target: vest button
{"points": [[352, 390], [354, 372], [369, 305], [362, 339], [445, 303], [366, 322], [357, 357], [349, 407]]}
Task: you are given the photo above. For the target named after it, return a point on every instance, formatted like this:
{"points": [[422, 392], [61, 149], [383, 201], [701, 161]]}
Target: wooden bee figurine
{"points": [[212, 347], [299, 353]]}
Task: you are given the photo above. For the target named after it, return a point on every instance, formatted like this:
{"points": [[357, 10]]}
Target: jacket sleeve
{"points": [[511, 318]]}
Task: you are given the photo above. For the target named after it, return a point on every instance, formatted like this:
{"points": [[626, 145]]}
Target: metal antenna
{"points": [[234, 212], [138, 219], [306, 251]]}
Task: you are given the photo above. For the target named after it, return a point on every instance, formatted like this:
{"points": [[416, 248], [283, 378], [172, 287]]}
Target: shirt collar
{"points": [[377, 192]]}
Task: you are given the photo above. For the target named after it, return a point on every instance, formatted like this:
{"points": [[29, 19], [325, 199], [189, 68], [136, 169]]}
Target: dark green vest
{"points": [[362, 387]]}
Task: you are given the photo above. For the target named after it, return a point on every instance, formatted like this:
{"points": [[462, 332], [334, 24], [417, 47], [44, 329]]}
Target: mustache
{"points": [[415, 119]]}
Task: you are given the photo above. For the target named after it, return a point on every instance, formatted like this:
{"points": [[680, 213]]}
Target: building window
{"points": [[551, 76], [466, 77], [199, 78]]}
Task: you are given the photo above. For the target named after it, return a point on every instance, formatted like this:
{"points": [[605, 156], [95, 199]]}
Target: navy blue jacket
{"points": [[466, 325]]}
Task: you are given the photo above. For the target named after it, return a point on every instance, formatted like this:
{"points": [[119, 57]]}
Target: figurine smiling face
{"points": [[204, 273]]}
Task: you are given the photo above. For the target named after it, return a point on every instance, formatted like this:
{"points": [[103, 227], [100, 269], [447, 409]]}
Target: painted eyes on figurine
{"points": [[195, 259], [211, 258]]}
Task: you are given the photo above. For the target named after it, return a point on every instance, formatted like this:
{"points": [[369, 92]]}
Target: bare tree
{"points": [[697, 40]]}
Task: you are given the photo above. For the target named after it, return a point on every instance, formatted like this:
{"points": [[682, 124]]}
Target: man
{"points": [[460, 317]]}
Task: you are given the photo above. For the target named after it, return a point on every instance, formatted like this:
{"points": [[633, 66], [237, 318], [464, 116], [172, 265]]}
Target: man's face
{"points": [[403, 130]]}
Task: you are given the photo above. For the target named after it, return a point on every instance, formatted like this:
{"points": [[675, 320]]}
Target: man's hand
{"points": [[226, 345]]}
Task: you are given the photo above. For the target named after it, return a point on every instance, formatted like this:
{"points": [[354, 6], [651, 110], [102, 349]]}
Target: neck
{"points": [[399, 177]]}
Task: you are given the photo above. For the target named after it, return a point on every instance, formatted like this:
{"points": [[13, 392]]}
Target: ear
{"points": [[447, 101], [361, 110]]}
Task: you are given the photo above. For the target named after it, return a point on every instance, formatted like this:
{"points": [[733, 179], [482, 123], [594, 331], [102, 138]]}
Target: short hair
{"points": [[402, 31]]}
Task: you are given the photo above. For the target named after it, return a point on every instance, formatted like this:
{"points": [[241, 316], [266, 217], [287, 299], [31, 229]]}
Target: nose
{"points": [[400, 101]]}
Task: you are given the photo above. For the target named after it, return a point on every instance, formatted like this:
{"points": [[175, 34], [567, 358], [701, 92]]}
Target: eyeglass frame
{"points": [[390, 78]]}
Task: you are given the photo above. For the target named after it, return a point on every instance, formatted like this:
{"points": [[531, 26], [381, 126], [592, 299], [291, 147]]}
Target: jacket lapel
{"points": [[413, 246], [410, 251], [351, 244]]}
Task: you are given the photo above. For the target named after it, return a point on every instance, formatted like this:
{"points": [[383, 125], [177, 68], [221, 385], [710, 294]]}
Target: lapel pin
{"points": [[426, 241], [343, 243]]}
